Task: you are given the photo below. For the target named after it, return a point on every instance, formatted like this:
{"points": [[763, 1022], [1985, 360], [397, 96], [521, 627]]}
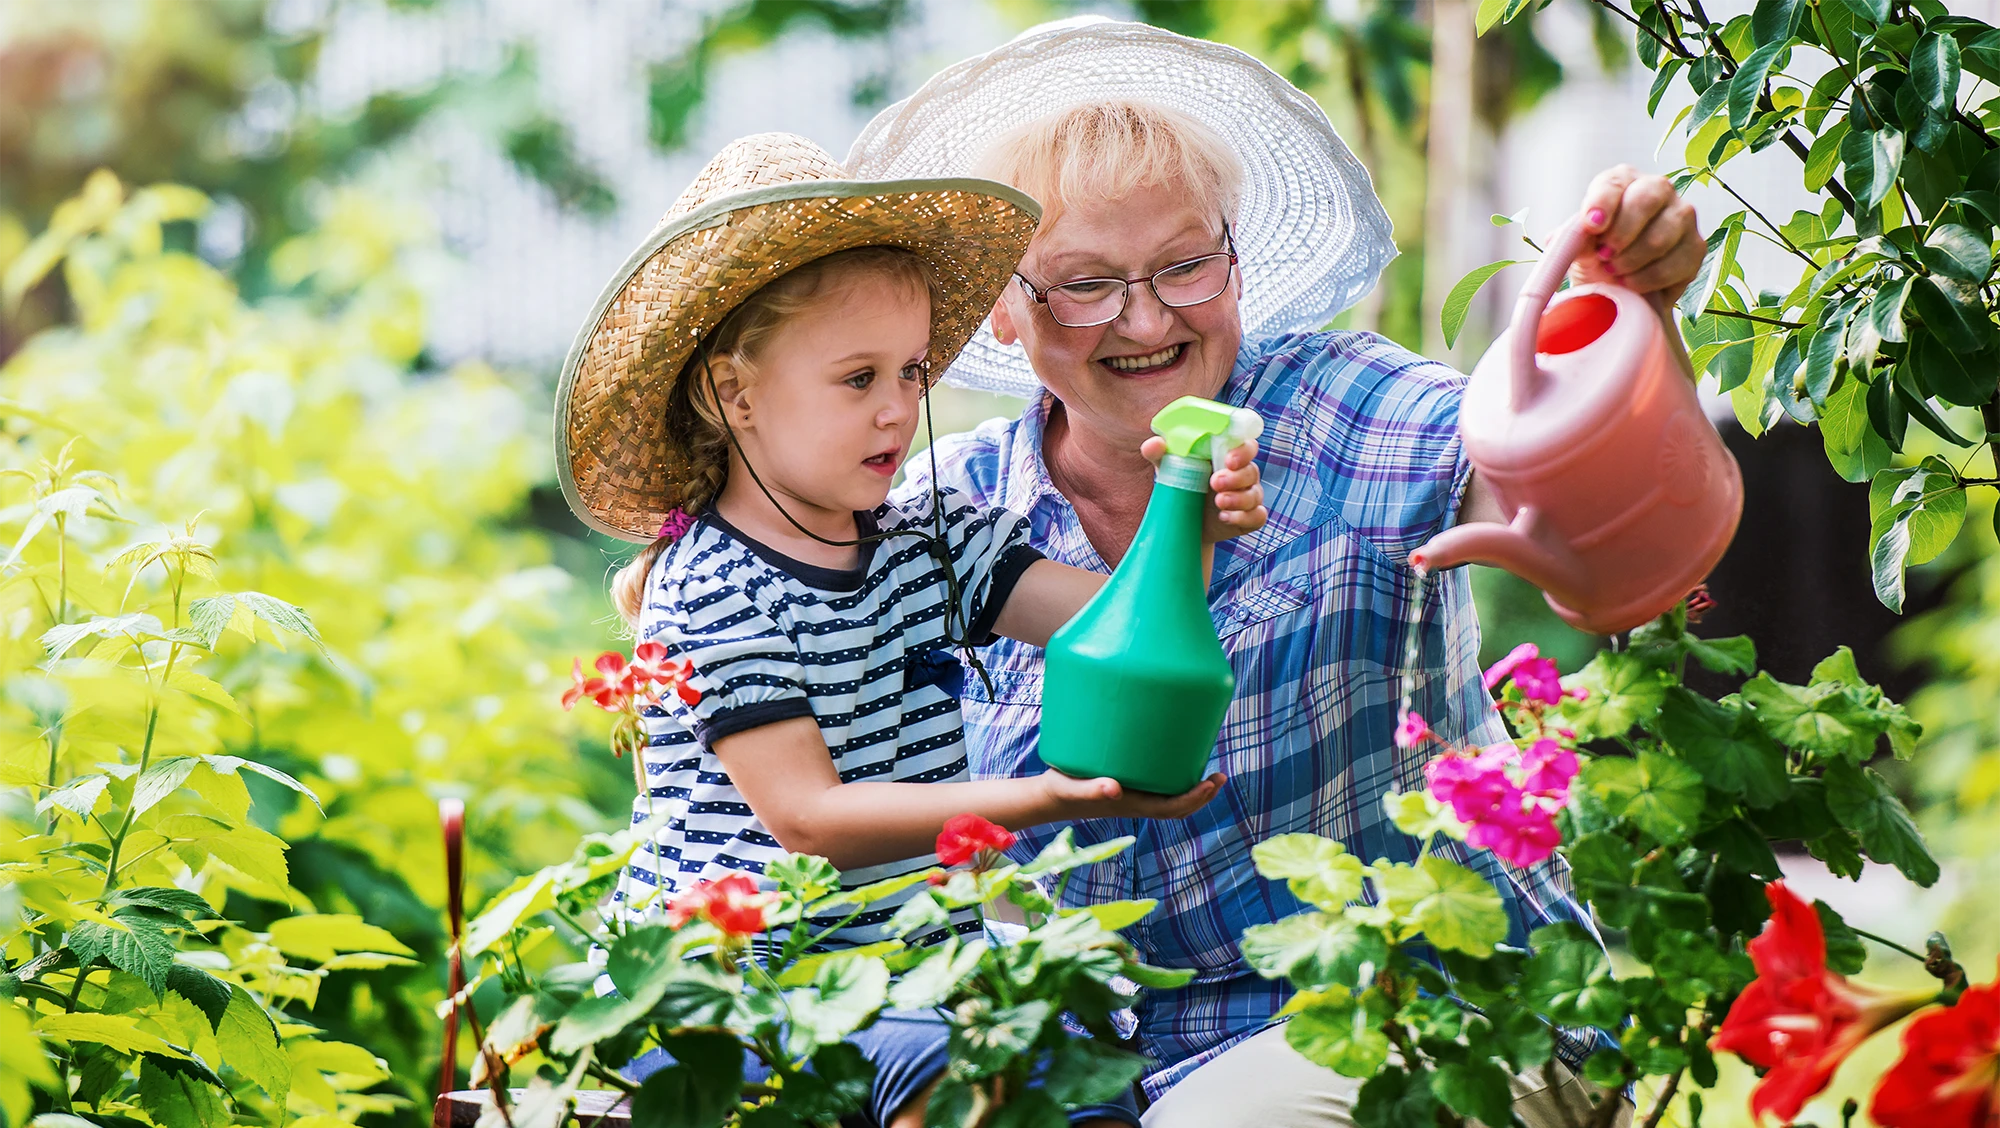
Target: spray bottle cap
{"points": [[1199, 428]]}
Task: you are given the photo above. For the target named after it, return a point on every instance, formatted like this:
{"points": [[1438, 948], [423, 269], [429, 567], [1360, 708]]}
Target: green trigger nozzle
{"points": [[1199, 428]]}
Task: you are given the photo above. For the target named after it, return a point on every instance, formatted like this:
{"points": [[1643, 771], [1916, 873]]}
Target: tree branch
{"points": [[1666, 1098]]}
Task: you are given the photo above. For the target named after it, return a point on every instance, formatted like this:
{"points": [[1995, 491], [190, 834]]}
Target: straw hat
{"points": [[766, 204], [1311, 234]]}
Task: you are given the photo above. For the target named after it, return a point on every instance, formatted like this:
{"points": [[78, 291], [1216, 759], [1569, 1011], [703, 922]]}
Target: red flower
{"points": [[1949, 1075], [735, 905], [610, 691], [966, 835], [650, 665], [1797, 1019]]}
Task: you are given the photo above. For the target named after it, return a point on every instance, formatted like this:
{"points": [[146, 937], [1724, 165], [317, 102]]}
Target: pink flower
{"points": [[1498, 671], [1507, 799], [1539, 680], [650, 665], [966, 835], [1413, 731]]}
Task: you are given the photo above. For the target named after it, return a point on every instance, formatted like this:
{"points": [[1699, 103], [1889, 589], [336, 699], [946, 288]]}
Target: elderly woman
{"points": [[1203, 221]]}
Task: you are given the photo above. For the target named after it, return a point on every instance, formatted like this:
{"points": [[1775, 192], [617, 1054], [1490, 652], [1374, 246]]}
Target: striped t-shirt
{"points": [[863, 651]]}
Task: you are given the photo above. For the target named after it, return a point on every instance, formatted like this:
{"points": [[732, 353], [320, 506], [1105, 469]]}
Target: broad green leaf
{"points": [[989, 1038], [1845, 953], [1315, 950], [159, 781], [1451, 318], [1394, 1098], [845, 995], [686, 1095], [317, 936], [1953, 375], [1453, 907], [944, 967], [1956, 251], [1114, 915], [1488, 14], [1747, 86], [1730, 754], [1923, 514], [508, 910], [1917, 402], [1715, 265], [807, 875], [1660, 794], [1319, 870], [241, 611], [1087, 1071], [137, 626], [1934, 69], [595, 1019], [79, 796], [1885, 311], [1475, 1089], [1569, 980], [1772, 20], [119, 1031], [209, 995], [1419, 815], [1861, 800], [1620, 691], [229, 765], [1825, 719], [870, 893], [1734, 655], [141, 947], [249, 1043], [1738, 844], [1824, 156], [176, 1099], [1335, 1031], [1062, 855], [1872, 158]]}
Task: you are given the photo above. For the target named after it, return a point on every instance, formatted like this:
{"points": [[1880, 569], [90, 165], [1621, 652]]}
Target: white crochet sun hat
{"points": [[1310, 232]]}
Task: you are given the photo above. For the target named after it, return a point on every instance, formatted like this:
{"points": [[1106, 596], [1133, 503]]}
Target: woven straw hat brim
{"points": [[1311, 233], [621, 470]]}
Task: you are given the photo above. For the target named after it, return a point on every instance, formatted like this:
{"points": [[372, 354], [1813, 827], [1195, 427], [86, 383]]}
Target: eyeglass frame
{"points": [[1040, 296]]}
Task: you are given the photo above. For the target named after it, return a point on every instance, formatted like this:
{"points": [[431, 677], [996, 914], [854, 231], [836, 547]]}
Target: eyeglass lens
{"points": [[1096, 301]]}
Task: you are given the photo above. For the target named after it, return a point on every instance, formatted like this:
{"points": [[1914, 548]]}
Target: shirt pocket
{"points": [[1015, 671], [1260, 613]]}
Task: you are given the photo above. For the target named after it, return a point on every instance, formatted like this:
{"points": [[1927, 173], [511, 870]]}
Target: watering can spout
{"points": [[1521, 547]]}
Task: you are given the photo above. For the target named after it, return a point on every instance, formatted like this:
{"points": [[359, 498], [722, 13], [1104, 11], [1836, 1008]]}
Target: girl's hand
{"points": [[1237, 489], [1106, 798]]}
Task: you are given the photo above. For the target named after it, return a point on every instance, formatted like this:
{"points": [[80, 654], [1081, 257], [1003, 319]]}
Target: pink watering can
{"points": [[1583, 421]]}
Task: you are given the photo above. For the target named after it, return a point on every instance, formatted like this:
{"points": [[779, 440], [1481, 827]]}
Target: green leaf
{"points": [[1735, 655], [1335, 1031], [1085, 1071], [1772, 21], [604, 1016], [142, 947], [1319, 870], [1315, 950], [1934, 73], [1824, 156], [175, 1099], [1748, 84], [1115, 915], [1488, 14], [1954, 375], [1862, 801], [944, 967], [846, 994], [1601, 858], [1956, 251], [119, 1031], [1568, 979], [1824, 719], [1062, 855], [209, 995], [1845, 953], [79, 796], [989, 1038], [699, 1091], [1419, 815], [317, 936], [241, 611], [1729, 751], [1915, 401], [1477, 1090], [1738, 844], [1872, 158], [1393, 1098], [1716, 264], [248, 1041], [1455, 908], [1620, 691], [1663, 796], [1456, 303], [808, 876], [1921, 515], [1885, 311]]}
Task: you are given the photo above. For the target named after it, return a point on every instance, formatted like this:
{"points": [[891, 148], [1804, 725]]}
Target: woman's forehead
{"points": [[1124, 234]]}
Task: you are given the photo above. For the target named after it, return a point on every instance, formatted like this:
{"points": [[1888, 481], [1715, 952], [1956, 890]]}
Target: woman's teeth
{"points": [[1150, 360]]}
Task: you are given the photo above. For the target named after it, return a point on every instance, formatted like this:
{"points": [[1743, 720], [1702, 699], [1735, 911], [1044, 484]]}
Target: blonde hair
{"points": [[694, 419], [1106, 150]]}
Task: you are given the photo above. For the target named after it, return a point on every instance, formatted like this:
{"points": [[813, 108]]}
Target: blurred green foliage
{"points": [[293, 439]]}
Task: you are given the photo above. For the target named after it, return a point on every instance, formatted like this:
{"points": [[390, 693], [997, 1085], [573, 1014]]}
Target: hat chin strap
{"points": [[934, 542]]}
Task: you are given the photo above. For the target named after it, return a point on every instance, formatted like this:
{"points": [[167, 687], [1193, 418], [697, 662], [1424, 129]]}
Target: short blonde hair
{"points": [[1107, 150]]}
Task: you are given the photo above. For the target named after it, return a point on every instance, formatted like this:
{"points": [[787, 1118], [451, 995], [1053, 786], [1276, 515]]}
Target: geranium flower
{"points": [[1507, 799], [651, 666], [611, 689], [1501, 670], [1797, 1019], [1412, 731], [734, 904], [966, 835], [1949, 1074]]}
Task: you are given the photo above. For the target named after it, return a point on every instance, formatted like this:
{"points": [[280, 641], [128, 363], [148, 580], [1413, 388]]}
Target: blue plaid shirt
{"points": [[1361, 463]]}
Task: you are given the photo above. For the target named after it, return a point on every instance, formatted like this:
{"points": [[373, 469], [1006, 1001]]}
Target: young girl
{"points": [[821, 623]]}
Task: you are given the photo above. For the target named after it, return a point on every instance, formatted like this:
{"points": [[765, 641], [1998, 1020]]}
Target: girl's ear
{"points": [[734, 393]]}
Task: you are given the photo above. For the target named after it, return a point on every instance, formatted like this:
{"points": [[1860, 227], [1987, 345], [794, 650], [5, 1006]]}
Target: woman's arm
{"points": [[785, 772], [1049, 594]]}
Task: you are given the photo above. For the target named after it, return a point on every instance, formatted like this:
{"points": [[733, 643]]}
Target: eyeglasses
{"points": [[1084, 302]]}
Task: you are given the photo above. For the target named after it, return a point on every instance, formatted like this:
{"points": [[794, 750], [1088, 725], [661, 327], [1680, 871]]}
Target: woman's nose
{"points": [[1145, 319]]}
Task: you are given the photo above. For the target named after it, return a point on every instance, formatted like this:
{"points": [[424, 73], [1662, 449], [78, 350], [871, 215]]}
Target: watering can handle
{"points": [[1534, 299]]}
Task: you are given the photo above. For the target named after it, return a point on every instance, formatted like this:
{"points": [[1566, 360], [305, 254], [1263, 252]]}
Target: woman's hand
{"points": [[1106, 798], [1646, 238], [1237, 489]]}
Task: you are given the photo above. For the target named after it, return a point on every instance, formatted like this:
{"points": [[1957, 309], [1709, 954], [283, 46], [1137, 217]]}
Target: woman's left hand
{"points": [[1646, 238]]}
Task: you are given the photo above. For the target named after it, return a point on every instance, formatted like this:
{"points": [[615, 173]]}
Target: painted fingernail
{"points": [[1596, 217]]}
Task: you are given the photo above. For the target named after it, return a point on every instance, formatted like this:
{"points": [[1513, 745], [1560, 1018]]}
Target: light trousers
{"points": [[1262, 1082]]}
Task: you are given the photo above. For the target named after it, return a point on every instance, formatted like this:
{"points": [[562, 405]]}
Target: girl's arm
{"points": [[786, 773], [1049, 594]]}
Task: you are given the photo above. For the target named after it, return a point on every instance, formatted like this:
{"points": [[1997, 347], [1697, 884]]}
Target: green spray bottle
{"points": [[1136, 685]]}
